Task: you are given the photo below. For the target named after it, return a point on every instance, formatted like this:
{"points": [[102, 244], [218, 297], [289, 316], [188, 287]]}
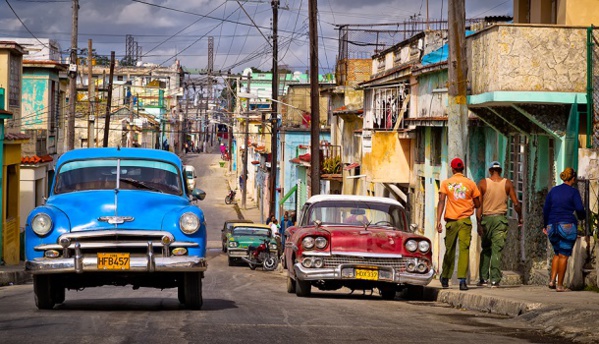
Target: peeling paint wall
{"points": [[35, 100], [432, 95], [527, 58], [299, 97], [390, 160]]}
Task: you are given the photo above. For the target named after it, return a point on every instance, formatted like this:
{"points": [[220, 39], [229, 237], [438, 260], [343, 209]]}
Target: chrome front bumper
{"points": [[75, 260], [137, 264], [313, 274], [237, 253]]}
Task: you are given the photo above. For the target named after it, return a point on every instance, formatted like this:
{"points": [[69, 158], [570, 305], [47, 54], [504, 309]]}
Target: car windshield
{"points": [[102, 174], [354, 213], [251, 231], [189, 174]]}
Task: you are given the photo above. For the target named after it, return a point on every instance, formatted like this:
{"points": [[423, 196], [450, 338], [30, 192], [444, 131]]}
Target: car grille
{"points": [[116, 241], [399, 264]]}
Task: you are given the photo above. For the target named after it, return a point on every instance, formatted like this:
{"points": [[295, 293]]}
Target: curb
{"points": [[14, 277], [480, 303]]}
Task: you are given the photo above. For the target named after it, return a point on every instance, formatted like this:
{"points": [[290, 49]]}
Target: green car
{"points": [[244, 235]]}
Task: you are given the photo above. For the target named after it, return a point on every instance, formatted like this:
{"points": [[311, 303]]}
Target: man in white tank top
{"points": [[493, 224]]}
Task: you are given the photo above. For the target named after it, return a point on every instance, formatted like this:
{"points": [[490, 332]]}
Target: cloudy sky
{"points": [[170, 29]]}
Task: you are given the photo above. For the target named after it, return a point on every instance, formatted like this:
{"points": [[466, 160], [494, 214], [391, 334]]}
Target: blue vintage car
{"points": [[117, 216]]}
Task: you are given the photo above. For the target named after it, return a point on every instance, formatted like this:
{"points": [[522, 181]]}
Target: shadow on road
{"points": [[140, 304]]}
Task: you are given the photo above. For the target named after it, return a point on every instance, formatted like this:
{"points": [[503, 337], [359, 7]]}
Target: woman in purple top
{"points": [[559, 224]]}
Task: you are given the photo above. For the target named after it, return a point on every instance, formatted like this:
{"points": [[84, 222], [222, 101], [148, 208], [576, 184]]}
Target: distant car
{"points": [[244, 235], [226, 231], [358, 242], [190, 176], [117, 217]]}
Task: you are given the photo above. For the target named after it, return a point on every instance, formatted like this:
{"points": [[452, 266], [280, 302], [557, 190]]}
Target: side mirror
{"points": [[413, 227], [198, 194]]}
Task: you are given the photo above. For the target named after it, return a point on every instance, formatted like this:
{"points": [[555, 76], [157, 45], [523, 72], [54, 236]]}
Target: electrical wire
{"points": [[25, 26]]}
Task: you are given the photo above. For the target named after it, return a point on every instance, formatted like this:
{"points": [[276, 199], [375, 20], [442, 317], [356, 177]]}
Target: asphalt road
{"points": [[245, 306]]}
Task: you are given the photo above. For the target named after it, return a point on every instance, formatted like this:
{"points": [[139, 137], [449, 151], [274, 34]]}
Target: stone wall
{"points": [[527, 58]]}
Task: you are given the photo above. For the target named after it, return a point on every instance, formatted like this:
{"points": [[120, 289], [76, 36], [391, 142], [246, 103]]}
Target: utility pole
{"points": [[184, 123], [231, 120], [246, 140], [73, 78], [314, 101], [274, 117], [458, 112], [91, 139], [109, 101]]}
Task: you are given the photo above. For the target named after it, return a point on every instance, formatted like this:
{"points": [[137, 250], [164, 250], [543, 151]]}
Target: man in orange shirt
{"points": [[462, 198]]}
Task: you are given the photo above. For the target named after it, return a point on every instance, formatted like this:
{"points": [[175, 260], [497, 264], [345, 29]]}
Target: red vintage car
{"points": [[358, 242]]}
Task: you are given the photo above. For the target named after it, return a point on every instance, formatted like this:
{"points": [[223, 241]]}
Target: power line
{"points": [[25, 26]]}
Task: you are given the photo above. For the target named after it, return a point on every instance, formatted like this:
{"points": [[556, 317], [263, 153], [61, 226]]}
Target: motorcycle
{"points": [[230, 197], [262, 255]]}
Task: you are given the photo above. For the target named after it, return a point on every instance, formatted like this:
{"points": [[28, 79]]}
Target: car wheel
{"points": [[270, 263], [181, 293], [193, 290], [302, 288], [387, 293], [290, 285], [42, 288], [231, 261], [59, 293]]}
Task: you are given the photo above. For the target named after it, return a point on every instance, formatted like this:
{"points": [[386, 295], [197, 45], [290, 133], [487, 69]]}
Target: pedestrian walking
{"points": [[461, 196], [270, 219], [560, 224], [285, 223], [492, 225]]}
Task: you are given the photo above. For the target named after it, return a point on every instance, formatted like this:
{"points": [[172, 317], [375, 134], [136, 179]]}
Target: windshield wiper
{"points": [[139, 184]]}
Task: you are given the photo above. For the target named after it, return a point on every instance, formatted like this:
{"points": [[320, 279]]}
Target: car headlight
{"points": [[308, 243], [321, 242], [189, 223], [233, 244], [273, 246], [424, 246], [411, 245], [41, 224]]}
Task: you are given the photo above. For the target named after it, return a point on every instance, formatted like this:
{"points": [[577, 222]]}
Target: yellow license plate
{"points": [[113, 261], [367, 274]]}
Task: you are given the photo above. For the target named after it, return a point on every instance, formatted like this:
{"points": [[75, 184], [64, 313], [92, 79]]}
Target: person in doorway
{"points": [[492, 225], [461, 196], [560, 224]]}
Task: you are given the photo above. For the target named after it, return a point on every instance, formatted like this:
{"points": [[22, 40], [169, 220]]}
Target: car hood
{"points": [[142, 210], [360, 240]]}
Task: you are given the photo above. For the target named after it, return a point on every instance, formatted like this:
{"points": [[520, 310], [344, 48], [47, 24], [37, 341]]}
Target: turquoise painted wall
{"points": [[35, 101], [292, 139]]}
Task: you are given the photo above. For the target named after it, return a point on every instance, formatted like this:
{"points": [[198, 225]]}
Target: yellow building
{"points": [[11, 70], [560, 12]]}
